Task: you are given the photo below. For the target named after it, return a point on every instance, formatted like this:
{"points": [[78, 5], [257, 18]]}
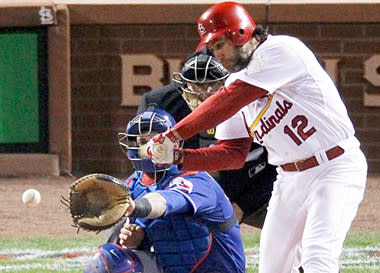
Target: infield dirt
{"points": [[51, 218]]}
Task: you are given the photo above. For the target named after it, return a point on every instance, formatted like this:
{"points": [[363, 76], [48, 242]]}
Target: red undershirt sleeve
{"points": [[219, 107], [225, 155]]}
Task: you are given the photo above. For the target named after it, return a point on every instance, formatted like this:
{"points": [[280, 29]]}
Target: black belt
{"points": [[222, 227]]}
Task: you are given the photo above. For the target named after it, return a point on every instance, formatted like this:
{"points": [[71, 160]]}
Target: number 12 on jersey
{"points": [[299, 134]]}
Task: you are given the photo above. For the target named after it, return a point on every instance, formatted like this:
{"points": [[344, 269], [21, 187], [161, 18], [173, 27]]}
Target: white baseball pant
{"points": [[310, 214]]}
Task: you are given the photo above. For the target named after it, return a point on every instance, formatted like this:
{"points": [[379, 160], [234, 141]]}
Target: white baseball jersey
{"points": [[303, 112]]}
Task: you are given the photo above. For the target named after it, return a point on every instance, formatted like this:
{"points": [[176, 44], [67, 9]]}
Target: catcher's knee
{"points": [[113, 258], [113, 234]]}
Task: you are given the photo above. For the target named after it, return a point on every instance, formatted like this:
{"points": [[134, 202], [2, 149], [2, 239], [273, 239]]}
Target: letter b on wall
{"points": [[131, 79]]}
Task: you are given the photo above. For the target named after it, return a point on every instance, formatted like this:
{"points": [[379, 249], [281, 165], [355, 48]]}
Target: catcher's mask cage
{"points": [[111, 258], [200, 77], [139, 131]]}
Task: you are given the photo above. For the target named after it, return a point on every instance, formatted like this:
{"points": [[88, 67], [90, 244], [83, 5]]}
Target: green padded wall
{"points": [[19, 88]]}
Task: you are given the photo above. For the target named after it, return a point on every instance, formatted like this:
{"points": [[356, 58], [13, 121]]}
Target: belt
{"points": [[222, 227], [311, 162]]}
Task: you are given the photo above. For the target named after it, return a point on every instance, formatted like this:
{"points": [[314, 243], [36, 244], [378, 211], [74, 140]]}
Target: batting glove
{"points": [[164, 149]]}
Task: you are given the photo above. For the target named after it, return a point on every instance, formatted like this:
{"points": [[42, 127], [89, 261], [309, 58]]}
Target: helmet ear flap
{"points": [[240, 36]]}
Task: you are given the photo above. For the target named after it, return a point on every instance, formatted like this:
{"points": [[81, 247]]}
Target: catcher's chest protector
{"points": [[179, 241]]}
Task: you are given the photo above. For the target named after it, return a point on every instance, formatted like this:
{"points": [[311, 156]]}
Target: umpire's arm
{"points": [[143, 104]]}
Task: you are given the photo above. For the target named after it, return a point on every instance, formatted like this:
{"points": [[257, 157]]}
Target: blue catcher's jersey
{"points": [[181, 238]]}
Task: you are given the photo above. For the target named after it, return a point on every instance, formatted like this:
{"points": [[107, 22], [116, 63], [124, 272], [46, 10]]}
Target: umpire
{"points": [[248, 188]]}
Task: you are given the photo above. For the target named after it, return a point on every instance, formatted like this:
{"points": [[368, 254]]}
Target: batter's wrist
{"points": [[173, 135]]}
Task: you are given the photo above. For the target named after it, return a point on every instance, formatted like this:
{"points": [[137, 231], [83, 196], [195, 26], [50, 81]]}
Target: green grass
{"points": [[362, 239], [46, 255], [51, 243], [251, 239]]}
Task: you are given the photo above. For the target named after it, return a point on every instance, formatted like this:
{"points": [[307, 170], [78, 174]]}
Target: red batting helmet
{"points": [[228, 18]]}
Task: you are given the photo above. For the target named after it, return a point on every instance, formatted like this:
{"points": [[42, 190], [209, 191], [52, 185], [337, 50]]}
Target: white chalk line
{"points": [[33, 254], [60, 260], [357, 257]]}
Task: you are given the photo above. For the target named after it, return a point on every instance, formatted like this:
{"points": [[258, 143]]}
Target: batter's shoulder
{"points": [[284, 44]]}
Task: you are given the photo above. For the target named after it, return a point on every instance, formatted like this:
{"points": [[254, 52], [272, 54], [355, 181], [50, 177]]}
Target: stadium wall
{"points": [[346, 37]]}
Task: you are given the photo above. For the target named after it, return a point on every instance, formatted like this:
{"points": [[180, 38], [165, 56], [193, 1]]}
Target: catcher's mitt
{"points": [[97, 201]]}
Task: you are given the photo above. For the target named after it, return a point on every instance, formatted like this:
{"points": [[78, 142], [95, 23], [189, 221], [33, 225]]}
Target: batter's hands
{"points": [[131, 235], [164, 149]]}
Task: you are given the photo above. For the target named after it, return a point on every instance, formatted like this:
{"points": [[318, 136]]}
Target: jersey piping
{"points": [[204, 257], [259, 116]]}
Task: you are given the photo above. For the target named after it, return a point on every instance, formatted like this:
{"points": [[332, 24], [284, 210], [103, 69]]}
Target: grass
{"points": [[51, 243], [50, 255]]}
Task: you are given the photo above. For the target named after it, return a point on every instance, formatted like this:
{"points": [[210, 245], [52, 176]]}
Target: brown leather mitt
{"points": [[97, 201]]}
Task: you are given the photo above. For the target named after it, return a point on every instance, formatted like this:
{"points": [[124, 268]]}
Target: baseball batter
{"points": [[281, 97]]}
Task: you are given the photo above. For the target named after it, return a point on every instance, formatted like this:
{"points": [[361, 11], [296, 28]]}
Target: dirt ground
{"points": [[51, 218]]}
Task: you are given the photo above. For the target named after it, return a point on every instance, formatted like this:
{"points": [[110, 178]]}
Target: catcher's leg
{"points": [[149, 262], [113, 235]]}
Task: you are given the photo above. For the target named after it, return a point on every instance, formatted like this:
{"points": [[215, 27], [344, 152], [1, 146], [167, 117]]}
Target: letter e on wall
{"points": [[371, 74]]}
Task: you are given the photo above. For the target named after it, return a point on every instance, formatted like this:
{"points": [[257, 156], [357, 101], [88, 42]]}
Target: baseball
{"points": [[31, 197]]}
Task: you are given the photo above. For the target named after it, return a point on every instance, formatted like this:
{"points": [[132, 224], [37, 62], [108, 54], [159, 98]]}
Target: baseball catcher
{"points": [[97, 202], [179, 221]]}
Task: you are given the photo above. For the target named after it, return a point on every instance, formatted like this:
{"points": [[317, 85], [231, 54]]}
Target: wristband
{"points": [[172, 135], [142, 208]]}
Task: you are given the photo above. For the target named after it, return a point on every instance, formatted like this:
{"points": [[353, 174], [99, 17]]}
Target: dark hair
{"points": [[260, 33]]}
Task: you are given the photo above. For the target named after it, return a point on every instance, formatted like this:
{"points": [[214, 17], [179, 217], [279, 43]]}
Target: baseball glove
{"points": [[97, 201]]}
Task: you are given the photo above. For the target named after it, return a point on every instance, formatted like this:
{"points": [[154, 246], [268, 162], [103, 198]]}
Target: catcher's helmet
{"points": [[200, 77], [111, 258], [139, 131], [226, 18]]}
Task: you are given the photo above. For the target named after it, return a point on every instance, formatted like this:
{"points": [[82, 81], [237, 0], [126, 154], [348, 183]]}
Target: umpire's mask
{"points": [[200, 77]]}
